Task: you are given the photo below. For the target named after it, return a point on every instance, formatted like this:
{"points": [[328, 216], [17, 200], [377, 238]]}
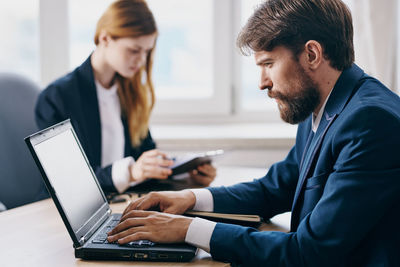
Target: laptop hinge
{"points": [[86, 237]]}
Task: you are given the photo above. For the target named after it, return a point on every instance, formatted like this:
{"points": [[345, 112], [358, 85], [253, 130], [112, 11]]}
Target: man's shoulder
{"points": [[373, 97], [372, 112]]}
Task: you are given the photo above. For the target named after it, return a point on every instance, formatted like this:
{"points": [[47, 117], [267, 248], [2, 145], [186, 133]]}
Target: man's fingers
{"points": [[171, 210], [125, 233], [135, 236], [129, 222], [148, 203], [136, 214], [133, 205]]}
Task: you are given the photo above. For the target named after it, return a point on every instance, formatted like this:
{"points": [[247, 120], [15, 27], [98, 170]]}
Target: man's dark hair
{"points": [[291, 23]]}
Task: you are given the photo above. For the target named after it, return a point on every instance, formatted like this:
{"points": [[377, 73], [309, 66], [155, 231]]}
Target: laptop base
{"points": [[127, 254]]}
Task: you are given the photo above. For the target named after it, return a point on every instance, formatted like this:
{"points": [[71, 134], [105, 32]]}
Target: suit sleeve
{"points": [[366, 150], [268, 196]]}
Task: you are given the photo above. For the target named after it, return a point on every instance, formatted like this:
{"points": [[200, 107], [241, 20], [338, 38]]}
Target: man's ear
{"points": [[314, 54]]}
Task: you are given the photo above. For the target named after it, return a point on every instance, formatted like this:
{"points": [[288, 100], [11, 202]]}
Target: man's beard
{"points": [[300, 102]]}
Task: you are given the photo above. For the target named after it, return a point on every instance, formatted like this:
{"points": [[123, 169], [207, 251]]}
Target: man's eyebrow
{"points": [[264, 60]]}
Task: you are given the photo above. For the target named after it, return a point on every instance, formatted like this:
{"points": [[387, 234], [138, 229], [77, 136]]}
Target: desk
{"points": [[34, 235]]}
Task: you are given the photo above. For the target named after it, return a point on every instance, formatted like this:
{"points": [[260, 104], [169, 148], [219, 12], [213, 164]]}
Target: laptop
{"points": [[82, 204]]}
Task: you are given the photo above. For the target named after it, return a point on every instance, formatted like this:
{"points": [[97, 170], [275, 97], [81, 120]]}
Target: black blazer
{"points": [[74, 96]]}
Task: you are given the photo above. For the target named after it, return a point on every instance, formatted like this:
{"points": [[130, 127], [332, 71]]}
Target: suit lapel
{"points": [[341, 94], [311, 153]]}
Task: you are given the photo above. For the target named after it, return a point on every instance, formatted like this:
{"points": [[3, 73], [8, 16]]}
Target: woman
{"points": [[109, 99]]}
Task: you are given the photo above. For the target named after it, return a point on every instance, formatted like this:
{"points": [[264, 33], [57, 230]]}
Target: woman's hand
{"points": [[151, 164], [203, 174]]}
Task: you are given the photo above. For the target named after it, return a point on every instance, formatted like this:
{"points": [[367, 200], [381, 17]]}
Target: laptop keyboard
{"points": [[101, 237]]}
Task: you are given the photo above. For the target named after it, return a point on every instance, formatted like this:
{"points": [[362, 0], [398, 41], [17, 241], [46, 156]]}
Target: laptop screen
{"points": [[70, 176]]}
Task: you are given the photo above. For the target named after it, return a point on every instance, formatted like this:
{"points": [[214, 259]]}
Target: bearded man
{"points": [[341, 180]]}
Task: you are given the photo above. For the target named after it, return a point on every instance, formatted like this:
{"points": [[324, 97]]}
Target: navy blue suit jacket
{"points": [[342, 186], [74, 96]]}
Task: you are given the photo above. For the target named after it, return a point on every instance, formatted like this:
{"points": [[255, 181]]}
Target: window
{"points": [[199, 74], [20, 38], [83, 16], [183, 66], [252, 99]]}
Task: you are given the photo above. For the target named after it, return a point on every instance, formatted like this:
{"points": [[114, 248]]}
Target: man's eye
{"points": [[134, 51], [268, 64]]}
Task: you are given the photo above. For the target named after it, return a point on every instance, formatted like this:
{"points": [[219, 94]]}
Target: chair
{"points": [[20, 179], [2, 207]]}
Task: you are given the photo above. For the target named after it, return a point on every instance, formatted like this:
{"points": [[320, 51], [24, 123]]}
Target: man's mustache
{"points": [[277, 95]]}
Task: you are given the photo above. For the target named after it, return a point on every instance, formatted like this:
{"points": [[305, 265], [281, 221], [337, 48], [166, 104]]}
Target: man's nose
{"points": [[265, 81]]}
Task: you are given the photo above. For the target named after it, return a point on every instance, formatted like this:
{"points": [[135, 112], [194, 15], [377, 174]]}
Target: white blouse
{"points": [[112, 136]]}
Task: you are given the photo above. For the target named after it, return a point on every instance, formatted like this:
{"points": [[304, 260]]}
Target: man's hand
{"points": [[174, 202], [204, 174], [151, 164], [154, 226]]}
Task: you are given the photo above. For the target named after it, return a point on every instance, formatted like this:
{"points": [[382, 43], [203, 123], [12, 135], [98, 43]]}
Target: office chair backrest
{"points": [[20, 180]]}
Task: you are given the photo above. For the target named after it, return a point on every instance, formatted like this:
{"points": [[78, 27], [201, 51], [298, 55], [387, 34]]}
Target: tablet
{"points": [[190, 161]]}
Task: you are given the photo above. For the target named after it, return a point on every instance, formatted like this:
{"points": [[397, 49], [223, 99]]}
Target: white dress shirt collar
{"points": [[317, 119]]}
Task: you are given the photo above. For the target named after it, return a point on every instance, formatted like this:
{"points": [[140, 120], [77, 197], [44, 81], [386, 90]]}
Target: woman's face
{"points": [[127, 55]]}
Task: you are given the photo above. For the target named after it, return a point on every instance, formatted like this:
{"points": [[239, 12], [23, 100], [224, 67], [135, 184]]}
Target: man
{"points": [[341, 180]]}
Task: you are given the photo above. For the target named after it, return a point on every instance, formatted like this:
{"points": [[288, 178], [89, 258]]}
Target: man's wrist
{"points": [[204, 200], [186, 224], [199, 233], [191, 198]]}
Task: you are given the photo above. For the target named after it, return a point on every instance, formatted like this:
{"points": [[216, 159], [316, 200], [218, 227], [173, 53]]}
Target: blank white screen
{"points": [[70, 177]]}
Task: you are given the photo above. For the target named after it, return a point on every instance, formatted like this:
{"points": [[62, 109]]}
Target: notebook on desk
{"points": [[82, 204]]}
